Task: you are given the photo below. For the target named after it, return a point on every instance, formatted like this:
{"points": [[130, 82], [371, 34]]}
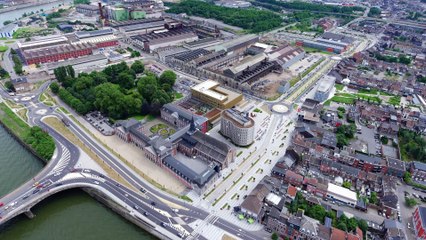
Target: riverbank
{"points": [[37, 141], [28, 5], [17, 128]]}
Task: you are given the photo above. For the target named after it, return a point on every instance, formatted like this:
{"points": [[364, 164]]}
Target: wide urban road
{"points": [[58, 217]]}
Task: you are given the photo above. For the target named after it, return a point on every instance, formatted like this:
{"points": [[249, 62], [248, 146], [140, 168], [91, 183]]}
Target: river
{"points": [[69, 215], [16, 14]]}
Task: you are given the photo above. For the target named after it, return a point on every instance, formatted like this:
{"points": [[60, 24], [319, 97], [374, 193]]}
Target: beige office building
{"points": [[211, 93]]}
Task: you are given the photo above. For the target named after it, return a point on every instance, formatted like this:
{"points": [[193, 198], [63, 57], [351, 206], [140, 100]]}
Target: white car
{"points": [[96, 182]]}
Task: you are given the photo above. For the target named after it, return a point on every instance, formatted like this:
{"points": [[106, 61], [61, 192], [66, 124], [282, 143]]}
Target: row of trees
{"points": [[307, 6], [319, 213], [412, 145], [17, 62], [41, 142], [253, 20], [374, 12], [116, 91], [400, 59]]}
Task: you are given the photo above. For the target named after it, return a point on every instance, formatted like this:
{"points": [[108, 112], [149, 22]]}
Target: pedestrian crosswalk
{"points": [[63, 162], [209, 220]]}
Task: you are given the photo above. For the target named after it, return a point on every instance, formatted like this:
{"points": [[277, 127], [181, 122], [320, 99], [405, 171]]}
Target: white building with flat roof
{"points": [[324, 88], [341, 194]]}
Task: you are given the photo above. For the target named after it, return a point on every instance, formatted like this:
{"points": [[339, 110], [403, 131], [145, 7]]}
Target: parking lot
{"points": [[100, 123]]}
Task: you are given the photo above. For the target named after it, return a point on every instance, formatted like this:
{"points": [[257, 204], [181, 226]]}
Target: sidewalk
{"points": [[136, 157]]}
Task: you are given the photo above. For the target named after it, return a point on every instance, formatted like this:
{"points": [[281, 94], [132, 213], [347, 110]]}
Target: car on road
{"points": [[96, 182], [142, 190], [36, 191], [153, 203], [126, 195], [58, 184], [35, 184], [25, 197], [1, 204], [146, 213], [86, 170], [136, 207]]}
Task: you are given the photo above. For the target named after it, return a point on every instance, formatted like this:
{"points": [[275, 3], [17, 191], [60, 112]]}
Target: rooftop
{"points": [[206, 88], [247, 62], [185, 169], [341, 191], [48, 40], [337, 37], [240, 119], [76, 61], [95, 33], [326, 84]]}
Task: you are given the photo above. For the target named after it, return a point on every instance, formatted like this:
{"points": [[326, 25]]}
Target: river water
{"points": [[16, 14], [66, 216]]}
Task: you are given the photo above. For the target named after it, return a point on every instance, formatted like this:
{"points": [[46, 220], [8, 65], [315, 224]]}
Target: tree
{"points": [[317, 212], [362, 224], [347, 184], [342, 226], [60, 73], [138, 67], [70, 71], [407, 177], [373, 198], [352, 224], [384, 139], [7, 22], [168, 77], [54, 87], [147, 87], [125, 80], [374, 12], [274, 236], [9, 86], [410, 202]]}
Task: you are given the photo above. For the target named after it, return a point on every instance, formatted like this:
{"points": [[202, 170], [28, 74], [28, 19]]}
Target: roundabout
{"points": [[280, 108]]}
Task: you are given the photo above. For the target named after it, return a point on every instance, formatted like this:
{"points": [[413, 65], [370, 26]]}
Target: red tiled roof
{"points": [[291, 191], [337, 234]]}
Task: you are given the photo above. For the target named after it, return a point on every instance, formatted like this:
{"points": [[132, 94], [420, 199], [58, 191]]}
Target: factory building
{"points": [[57, 53], [247, 64], [88, 10], [136, 27], [238, 45], [177, 36], [321, 46], [251, 68], [324, 88], [211, 93], [237, 126], [101, 38], [41, 42], [286, 55], [329, 42], [81, 64]]}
